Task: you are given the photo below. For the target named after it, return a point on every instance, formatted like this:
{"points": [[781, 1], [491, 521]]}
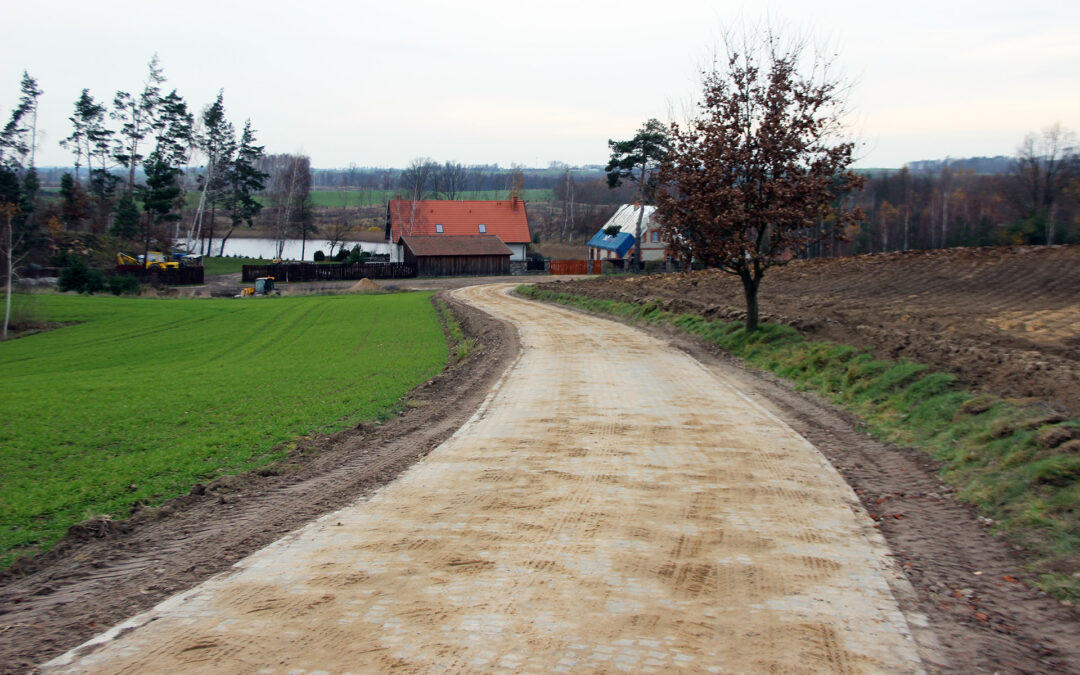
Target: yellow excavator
{"points": [[155, 260]]}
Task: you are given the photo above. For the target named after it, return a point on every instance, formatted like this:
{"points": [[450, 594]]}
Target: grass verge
{"points": [[460, 346], [145, 397], [1017, 461]]}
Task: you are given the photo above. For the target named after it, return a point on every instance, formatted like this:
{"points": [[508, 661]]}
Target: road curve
{"points": [[612, 506]]}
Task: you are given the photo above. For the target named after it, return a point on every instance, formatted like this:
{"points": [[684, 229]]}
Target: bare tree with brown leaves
{"points": [[759, 175]]}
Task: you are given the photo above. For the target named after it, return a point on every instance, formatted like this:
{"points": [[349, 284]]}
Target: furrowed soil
{"points": [[1004, 320]]}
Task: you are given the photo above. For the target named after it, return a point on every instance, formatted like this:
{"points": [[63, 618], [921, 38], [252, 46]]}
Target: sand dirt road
{"points": [[612, 506]]}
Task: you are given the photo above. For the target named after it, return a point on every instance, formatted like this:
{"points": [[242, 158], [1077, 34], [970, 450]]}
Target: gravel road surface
{"points": [[612, 506]]}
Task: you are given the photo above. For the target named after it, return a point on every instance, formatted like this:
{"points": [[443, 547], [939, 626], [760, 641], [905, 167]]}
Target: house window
{"points": [[438, 227], [483, 228], [655, 237]]}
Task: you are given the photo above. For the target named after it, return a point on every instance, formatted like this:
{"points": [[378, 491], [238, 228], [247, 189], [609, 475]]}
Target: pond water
{"points": [[254, 247]]}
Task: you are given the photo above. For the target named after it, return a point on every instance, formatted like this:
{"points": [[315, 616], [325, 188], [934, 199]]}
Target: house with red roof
{"points": [[505, 219]]}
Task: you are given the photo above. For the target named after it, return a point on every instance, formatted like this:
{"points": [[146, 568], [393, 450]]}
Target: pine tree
{"points": [[641, 154]]}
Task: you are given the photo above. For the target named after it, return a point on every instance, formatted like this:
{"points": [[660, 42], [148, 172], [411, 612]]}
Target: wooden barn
{"points": [[463, 255]]}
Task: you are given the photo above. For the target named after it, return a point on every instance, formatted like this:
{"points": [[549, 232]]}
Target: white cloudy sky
{"points": [[377, 84]]}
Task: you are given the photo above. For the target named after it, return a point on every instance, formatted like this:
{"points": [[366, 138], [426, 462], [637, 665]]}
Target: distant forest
{"points": [[977, 201]]}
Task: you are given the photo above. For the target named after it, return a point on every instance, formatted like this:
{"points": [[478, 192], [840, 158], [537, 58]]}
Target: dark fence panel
{"points": [[342, 272], [575, 266], [177, 277]]}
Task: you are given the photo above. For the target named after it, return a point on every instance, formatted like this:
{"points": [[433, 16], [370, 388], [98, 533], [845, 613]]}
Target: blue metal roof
{"points": [[619, 243]]}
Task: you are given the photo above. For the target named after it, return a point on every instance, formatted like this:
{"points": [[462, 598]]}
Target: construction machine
{"points": [[155, 260], [263, 286]]}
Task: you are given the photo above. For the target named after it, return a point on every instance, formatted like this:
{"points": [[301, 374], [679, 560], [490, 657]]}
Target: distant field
{"points": [[347, 198], [352, 198], [143, 397], [341, 199]]}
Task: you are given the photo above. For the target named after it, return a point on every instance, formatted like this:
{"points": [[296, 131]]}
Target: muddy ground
{"points": [[1005, 320], [968, 583]]}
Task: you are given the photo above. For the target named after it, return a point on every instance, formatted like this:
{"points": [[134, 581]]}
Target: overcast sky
{"points": [[378, 84]]}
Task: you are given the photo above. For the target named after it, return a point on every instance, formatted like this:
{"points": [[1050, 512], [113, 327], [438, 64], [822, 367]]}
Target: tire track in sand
{"points": [[613, 506]]}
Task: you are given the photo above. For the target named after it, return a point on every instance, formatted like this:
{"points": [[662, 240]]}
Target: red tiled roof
{"points": [[467, 244], [505, 219]]}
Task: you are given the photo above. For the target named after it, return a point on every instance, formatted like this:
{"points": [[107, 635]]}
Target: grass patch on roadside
{"points": [[1017, 461], [215, 265], [460, 346], [145, 397]]}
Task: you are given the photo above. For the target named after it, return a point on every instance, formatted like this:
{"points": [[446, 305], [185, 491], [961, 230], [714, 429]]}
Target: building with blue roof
{"points": [[618, 246], [615, 245]]}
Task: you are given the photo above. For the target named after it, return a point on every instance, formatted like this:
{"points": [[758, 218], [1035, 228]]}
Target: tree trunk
{"points": [[641, 213], [146, 241], [637, 236], [225, 239], [10, 273], [210, 237], [750, 290], [944, 219]]}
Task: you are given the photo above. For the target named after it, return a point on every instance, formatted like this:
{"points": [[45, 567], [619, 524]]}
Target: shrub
{"points": [[318, 256], [357, 255], [78, 277], [123, 284]]}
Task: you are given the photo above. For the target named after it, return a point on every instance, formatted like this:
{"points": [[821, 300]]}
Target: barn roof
{"points": [[626, 218], [463, 245], [619, 243], [505, 219]]}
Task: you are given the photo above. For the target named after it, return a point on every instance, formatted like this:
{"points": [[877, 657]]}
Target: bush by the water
{"points": [[357, 255], [318, 256]]}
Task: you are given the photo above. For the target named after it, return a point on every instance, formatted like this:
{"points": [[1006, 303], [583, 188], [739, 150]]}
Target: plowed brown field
{"points": [[1006, 320]]}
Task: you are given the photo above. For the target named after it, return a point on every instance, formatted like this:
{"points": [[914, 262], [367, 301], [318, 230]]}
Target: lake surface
{"points": [[254, 247]]}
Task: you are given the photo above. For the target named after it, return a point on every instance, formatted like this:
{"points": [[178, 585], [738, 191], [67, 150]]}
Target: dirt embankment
{"points": [[1005, 320], [105, 571]]}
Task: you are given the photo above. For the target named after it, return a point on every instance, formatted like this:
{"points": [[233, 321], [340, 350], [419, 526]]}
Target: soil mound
{"points": [[365, 285]]}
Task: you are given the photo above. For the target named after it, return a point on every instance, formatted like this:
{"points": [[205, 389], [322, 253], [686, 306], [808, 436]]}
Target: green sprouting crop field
{"points": [[142, 398]]}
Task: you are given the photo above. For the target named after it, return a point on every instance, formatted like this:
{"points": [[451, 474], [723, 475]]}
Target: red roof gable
{"points": [[505, 219]]}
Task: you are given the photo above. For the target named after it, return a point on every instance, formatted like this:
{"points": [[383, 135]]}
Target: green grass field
{"points": [[142, 398]]}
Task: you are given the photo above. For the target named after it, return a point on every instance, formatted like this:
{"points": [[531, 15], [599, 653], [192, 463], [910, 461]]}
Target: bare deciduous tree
{"points": [[452, 177], [758, 176], [1045, 163]]}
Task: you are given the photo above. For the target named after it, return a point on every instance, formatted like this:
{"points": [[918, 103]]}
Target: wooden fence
{"points": [[339, 272], [174, 277], [575, 266]]}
